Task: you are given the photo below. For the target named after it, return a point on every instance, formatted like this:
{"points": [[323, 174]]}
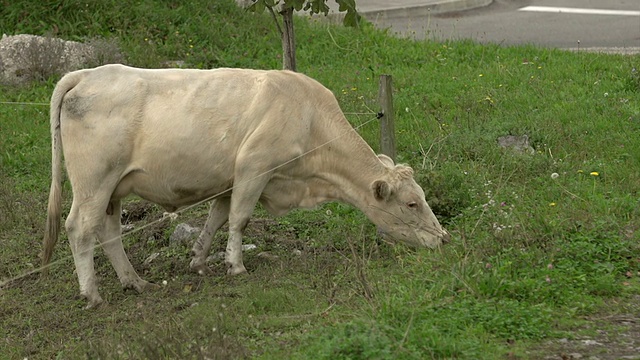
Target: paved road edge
{"points": [[438, 7], [441, 7], [631, 50]]}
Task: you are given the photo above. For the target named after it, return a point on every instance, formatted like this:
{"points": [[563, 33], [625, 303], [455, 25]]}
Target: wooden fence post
{"points": [[387, 131]]}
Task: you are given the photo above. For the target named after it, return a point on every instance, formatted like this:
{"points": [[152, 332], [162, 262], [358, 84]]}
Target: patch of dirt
{"points": [[136, 211], [613, 336]]}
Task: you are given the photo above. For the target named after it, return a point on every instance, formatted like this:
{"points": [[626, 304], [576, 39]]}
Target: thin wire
{"points": [[101, 243], [365, 113], [47, 104], [23, 103]]}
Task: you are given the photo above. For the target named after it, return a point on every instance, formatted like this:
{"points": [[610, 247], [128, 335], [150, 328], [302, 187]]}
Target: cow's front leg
{"points": [[246, 193], [233, 254], [218, 216]]}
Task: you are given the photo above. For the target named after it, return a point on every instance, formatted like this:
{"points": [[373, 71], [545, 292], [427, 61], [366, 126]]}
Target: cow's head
{"points": [[400, 210]]}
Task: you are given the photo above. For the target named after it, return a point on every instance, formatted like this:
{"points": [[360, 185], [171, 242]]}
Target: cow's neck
{"points": [[339, 166], [349, 167]]}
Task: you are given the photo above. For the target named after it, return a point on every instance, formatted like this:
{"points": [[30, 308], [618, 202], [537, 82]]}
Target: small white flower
{"points": [[555, 175], [406, 109], [606, 94], [164, 282]]}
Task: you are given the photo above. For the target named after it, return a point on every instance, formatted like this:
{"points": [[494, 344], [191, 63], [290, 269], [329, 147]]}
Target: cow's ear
{"points": [[381, 190], [387, 161]]}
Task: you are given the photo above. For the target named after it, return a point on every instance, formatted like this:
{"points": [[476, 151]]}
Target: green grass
{"points": [[532, 256]]}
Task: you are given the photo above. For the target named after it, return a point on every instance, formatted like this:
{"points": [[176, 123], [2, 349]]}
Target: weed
{"points": [[42, 58]]}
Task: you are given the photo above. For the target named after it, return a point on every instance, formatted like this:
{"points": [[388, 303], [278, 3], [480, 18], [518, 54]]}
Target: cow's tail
{"points": [[52, 227]]}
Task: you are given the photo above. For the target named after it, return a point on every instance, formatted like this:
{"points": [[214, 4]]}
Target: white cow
{"points": [[176, 137]]}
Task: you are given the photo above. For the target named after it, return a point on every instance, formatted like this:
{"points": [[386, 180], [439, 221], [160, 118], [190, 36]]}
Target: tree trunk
{"points": [[288, 41]]}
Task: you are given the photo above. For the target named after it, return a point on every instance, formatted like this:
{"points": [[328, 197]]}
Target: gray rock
{"points": [[215, 257], [25, 58], [519, 144], [184, 234]]}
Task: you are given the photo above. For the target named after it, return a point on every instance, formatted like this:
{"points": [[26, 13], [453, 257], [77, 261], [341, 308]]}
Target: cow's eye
{"points": [[412, 205]]}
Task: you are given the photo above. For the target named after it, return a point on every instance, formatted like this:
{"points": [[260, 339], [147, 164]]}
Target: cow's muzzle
{"points": [[446, 237]]}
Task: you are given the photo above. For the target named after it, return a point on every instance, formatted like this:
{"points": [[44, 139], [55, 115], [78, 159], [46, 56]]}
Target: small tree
{"points": [[286, 9]]}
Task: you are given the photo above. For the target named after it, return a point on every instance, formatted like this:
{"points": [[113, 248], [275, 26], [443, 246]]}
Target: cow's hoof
{"points": [[200, 268], [236, 270], [151, 287], [140, 285], [94, 303]]}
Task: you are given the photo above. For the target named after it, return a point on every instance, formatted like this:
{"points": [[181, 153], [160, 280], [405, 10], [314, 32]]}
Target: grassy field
{"points": [[534, 258]]}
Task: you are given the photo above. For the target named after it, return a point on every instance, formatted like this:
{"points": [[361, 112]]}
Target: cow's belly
{"points": [[173, 188], [190, 163]]}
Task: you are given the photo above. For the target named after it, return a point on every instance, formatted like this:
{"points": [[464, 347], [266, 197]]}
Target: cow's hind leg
{"points": [[83, 226], [112, 244], [218, 216]]}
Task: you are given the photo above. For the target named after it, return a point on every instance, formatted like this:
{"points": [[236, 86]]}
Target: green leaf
{"points": [[351, 18], [346, 5], [297, 5], [258, 6]]}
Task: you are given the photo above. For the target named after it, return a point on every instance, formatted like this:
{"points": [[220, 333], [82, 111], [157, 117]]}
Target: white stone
{"points": [[591, 343], [249, 247], [151, 257]]}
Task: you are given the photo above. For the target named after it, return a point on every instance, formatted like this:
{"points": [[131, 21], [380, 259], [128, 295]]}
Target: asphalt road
{"points": [[503, 22]]}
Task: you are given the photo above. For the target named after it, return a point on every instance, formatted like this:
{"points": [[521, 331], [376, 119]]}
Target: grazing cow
{"points": [[177, 137]]}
